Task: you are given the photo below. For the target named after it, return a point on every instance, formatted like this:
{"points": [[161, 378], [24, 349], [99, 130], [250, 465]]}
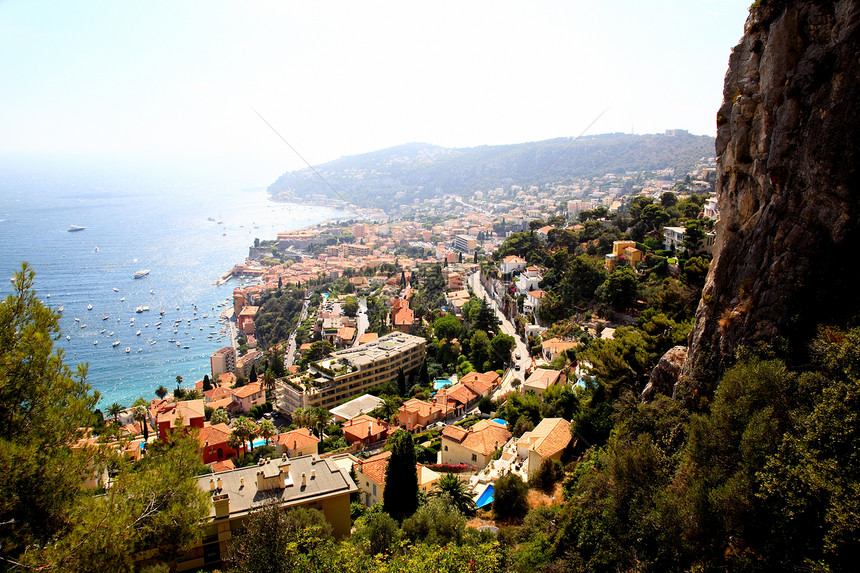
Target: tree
{"points": [[115, 410], [548, 474], [278, 540], [400, 496], [43, 408], [161, 392], [401, 382], [620, 289], [267, 430], [269, 380], [424, 375], [481, 350], [220, 416], [350, 306], [140, 416], [510, 498], [376, 532], [502, 345], [178, 382], [456, 492], [486, 319], [252, 375], [207, 384], [437, 522], [245, 430], [447, 327], [668, 199]]}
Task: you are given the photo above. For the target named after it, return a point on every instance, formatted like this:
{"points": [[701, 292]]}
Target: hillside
{"points": [[421, 171]]}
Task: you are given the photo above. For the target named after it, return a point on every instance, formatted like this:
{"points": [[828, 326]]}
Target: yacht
{"points": [[115, 343], [141, 309], [137, 333], [141, 273], [115, 289], [127, 349], [89, 307], [74, 228]]}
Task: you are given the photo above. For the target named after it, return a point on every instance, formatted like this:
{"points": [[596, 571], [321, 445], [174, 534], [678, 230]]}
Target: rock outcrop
{"points": [[665, 375], [787, 146]]}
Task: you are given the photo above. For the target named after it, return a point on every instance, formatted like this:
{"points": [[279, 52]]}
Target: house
{"points": [[248, 396], [403, 319], [543, 232], [213, 443], [528, 280], [533, 300], [345, 335], [306, 481], [370, 476], [365, 430], [511, 264], [541, 379], [296, 443], [554, 347], [459, 397], [356, 407], [547, 441], [367, 337], [186, 414], [415, 414], [481, 384], [474, 446], [623, 250]]}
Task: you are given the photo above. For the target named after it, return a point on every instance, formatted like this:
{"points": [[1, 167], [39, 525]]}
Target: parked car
{"points": [[517, 355], [517, 366]]}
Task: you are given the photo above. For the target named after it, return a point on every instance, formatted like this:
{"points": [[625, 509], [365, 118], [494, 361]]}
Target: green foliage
{"points": [[278, 540], [376, 532], [279, 314], [695, 271], [456, 493], [510, 499], [547, 475], [400, 496], [350, 306], [437, 522], [220, 416], [620, 289]]}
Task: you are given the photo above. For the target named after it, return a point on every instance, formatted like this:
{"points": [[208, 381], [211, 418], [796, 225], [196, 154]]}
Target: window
{"points": [[220, 453], [446, 448], [474, 458], [374, 490]]}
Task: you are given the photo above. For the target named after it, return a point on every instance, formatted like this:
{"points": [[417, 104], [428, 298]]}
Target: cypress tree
{"points": [[400, 496]]}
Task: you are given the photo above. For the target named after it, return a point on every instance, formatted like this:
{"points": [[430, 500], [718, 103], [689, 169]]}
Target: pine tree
{"points": [[401, 382], [400, 496]]}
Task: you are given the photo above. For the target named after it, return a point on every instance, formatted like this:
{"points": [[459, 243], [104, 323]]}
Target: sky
{"points": [[184, 82]]}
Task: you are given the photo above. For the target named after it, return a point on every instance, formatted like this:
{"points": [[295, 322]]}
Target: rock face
{"points": [[665, 374], [788, 190]]}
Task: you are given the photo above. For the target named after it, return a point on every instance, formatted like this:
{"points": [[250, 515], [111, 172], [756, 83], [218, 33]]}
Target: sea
{"points": [[187, 230]]}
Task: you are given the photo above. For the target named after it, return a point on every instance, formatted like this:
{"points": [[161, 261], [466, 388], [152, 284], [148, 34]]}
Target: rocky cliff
{"points": [[787, 142]]}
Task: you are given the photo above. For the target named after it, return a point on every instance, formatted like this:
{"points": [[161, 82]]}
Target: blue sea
{"points": [[135, 219]]}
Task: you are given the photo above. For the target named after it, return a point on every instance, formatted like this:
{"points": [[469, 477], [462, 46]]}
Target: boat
{"points": [[77, 319], [83, 326], [60, 309], [141, 273], [122, 299], [105, 317], [102, 331], [68, 337], [95, 342], [75, 228], [115, 343], [151, 291], [127, 349], [115, 289], [141, 309], [111, 333], [96, 249], [89, 307], [137, 333]]}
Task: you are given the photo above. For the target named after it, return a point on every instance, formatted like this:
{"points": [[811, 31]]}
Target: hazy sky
{"points": [[179, 79]]}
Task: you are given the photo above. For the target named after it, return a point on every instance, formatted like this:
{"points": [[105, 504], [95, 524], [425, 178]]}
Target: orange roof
{"points": [[222, 403], [216, 434], [421, 407], [361, 427], [404, 316], [296, 439], [188, 410], [346, 333], [374, 467], [367, 337], [226, 379], [460, 393], [537, 293], [543, 378], [551, 436], [480, 382], [484, 437], [222, 466], [247, 390], [217, 393]]}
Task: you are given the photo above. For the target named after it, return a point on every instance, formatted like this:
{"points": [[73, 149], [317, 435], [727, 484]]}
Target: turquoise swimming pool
{"points": [[486, 497], [439, 384], [500, 421]]}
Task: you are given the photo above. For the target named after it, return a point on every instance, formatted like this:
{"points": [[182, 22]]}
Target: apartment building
{"points": [[350, 372], [224, 360]]}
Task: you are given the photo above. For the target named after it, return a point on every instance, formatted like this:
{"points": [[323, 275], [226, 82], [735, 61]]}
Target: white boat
{"points": [[68, 337], [127, 349], [122, 299], [111, 333], [95, 342], [77, 319], [137, 333], [89, 307], [115, 289], [60, 309], [141, 273], [105, 317], [74, 228], [151, 291], [141, 309], [83, 326], [115, 343]]}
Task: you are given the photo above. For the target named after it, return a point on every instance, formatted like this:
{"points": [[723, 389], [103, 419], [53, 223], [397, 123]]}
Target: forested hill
{"points": [[421, 171]]}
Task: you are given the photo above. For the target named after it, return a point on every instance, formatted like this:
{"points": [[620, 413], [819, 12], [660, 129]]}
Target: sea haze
{"points": [[135, 222]]}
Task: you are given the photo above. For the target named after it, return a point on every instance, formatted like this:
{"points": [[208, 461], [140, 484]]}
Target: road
{"points": [[361, 322], [507, 328], [290, 354]]}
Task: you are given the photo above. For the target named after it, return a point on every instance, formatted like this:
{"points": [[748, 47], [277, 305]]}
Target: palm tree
{"points": [[266, 430], [456, 491], [219, 416], [234, 441], [140, 415], [269, 380], [178, 381], [115, 410], [245, 430], [319, 419]]}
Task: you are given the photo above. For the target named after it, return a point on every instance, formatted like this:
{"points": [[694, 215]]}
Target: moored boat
{"points": [[141, 273]]}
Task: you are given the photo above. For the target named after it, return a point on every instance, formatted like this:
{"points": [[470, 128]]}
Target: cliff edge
{"points": [[787, 141]]}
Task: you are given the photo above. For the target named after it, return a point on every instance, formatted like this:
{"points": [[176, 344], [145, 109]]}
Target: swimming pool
{"points": [[486, 497], [439, 384], [500, 421]]}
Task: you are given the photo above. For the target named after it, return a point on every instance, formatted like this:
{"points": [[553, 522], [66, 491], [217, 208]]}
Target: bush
{"points": [[510, 497], [547, 475], [436, 523]]}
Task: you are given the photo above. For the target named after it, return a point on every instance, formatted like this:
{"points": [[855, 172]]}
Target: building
{"points": [[623, 250], [541, 379], [350, 372], [673, 238], [370, 476], [512, 263], [224, 360], [361, 405], [186, 414], [533, 300], [306, 481], [547, 441], [553, 347], [247, 396], [213, 443], [415, 414], [296, 443], [365, 430], [474, 446], [465, 243]]}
